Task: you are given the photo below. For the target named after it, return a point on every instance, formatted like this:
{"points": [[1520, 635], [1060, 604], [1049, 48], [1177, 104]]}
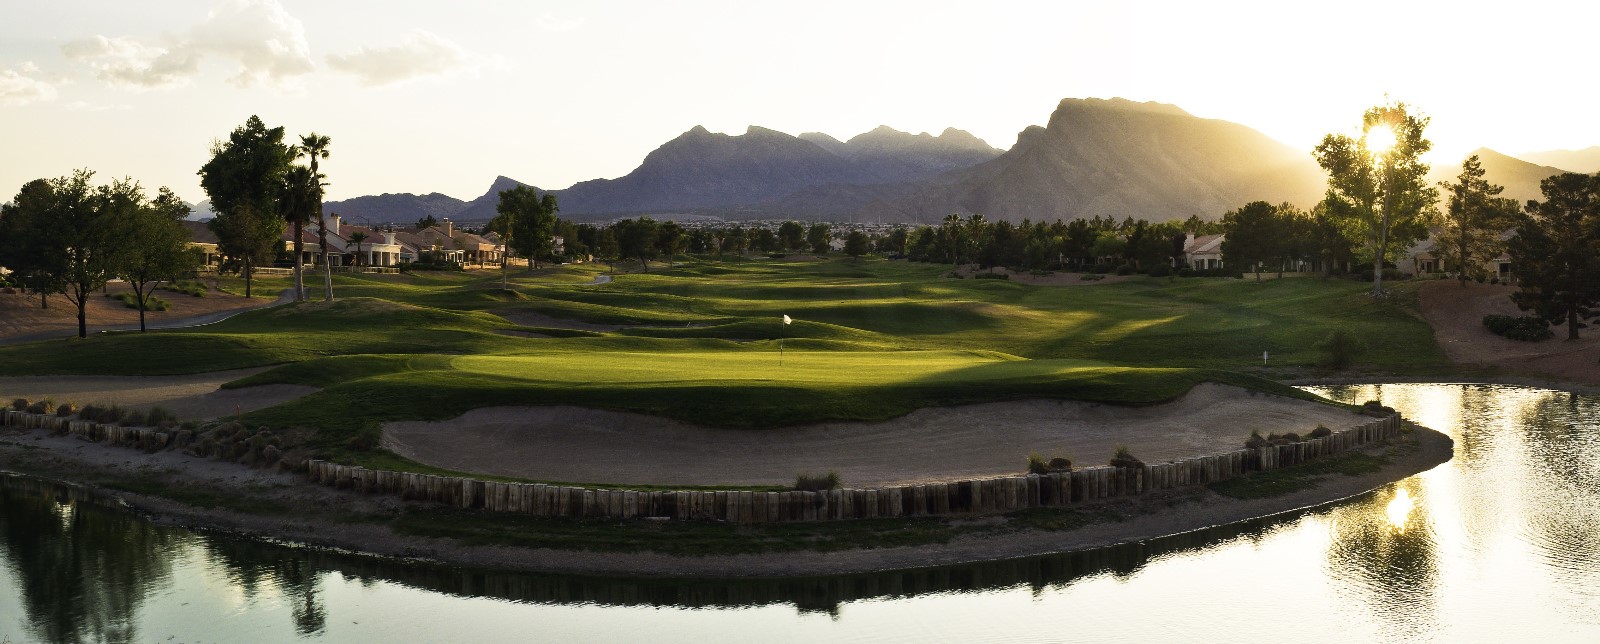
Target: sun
{"points": [[1379, 139]]}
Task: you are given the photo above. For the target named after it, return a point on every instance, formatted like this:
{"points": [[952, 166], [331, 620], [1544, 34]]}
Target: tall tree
{"points": [[820, 238], [359, 239], [636, 238], [29, 248], [1556, 251], [1473, 220], [670, 239], [155, 247], [1377, 186], [1255, 235], [244, 179], [315, 146], [792, 235], [298, 202], [856, 244], [90, 223], [526, 221]]}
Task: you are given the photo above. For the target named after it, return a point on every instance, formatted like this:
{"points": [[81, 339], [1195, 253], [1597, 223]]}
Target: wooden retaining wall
{"points": [[999, 494], [977, 496]]}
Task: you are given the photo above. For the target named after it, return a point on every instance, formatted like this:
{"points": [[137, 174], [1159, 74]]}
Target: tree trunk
{"points": [[1572, 323], [83, 319], [299, 275], [247, 274], [322, 243], [139, 293]]}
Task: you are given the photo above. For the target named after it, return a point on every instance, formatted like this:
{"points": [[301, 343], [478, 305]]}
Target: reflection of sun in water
{"points": [[1379, 139], [1399, 510]]}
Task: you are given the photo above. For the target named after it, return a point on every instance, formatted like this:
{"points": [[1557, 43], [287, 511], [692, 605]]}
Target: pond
{"points": [[1500, 544]]}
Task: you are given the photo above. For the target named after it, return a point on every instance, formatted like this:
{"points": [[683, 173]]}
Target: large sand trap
{"points": [[1456, 314], [191, 397], [586, 445]]}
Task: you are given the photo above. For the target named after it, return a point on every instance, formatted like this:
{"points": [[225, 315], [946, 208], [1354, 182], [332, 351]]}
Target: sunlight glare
{"points": [[1379, 139], [1399, 510]]}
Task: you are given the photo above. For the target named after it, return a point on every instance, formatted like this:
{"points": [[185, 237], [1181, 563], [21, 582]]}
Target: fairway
{"points": [[700, 343]]}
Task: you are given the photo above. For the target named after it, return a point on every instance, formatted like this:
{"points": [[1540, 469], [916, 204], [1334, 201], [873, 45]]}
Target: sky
{"points": [[434, 96]]}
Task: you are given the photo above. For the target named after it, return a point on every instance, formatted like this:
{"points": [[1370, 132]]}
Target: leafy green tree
{"points": [[526, 221], [314, 146], [29, 247], [1556, 251], [670, 239], [1255, 235], [89, 225], [765, 241], [244, 179], [427, 222], [636, 238], [1473, 220], [820, 238], [792, 235], [1377, 186], [856, 244], [155, 247]]}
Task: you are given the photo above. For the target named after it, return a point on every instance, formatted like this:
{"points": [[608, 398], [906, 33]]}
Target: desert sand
{"points": [[191, 397]]}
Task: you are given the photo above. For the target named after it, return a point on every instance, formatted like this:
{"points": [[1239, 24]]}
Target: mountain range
{"points": [[1094, 157]]}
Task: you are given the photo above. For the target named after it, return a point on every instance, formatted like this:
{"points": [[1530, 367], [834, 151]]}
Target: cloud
{"points": [[550, 23], [85, 106], [17, 88], [419, 54], [265, 42]]}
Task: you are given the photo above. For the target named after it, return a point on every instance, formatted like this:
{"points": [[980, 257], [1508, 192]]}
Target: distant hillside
{"points": [[404, 208], [764, 172], [1586, 160], [1118, 158], [1520, 178]]}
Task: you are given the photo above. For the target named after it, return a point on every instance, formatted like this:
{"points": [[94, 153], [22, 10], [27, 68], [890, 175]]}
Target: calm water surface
{"points": [[1500, 544]]}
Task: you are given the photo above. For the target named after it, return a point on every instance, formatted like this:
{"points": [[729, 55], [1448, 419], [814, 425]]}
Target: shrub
{"points": [[1090, 277], [42, 407], [1291, 437], [19, 404], [134, 418], [158, 415], [1255, 441], [816, 482], [1527, 329], [954, 274], [1060, 464], [66, 409], [1321, 432], [1186, 272], [1102, 269], [1124, 458], [1125, 269], [1159, 270], [1339, 349], [991, 276], [1037, 464], [194, 289]]}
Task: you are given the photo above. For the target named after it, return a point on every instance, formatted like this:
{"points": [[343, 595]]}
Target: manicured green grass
{"points": [[699, 342], [1260, 485]]}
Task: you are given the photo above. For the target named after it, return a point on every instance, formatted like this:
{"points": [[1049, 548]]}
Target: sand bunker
{"points": [[191, 397], [586, 445]]}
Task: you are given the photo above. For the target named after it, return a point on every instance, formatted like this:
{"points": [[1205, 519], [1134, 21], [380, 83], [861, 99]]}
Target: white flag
{"points": [[786, 320]]}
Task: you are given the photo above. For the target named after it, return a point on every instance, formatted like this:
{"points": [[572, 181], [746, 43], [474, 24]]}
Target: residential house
{"points": [[1203, 252], [1423, 258], [201, 237]]}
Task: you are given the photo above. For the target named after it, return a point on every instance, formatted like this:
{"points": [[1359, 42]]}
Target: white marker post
{"points": [[1263, 357], [782, 330]]}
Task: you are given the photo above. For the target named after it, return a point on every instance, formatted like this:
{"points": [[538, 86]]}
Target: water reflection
{"points": [[1502, 542]]}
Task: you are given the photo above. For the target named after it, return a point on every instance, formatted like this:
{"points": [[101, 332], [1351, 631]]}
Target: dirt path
{"points": [[191, 397], [586, 445], [1456, 315]]}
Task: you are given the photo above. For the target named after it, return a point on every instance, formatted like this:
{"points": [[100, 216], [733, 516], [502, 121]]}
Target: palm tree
{"points": [[357, 238], [301, 193], [315, 146]]}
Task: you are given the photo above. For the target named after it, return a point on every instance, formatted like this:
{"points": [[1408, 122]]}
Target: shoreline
{"points": [[324, 518]]}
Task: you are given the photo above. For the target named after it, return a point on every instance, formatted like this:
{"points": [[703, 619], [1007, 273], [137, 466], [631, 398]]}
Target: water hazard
{"points": [[1500, 544]]}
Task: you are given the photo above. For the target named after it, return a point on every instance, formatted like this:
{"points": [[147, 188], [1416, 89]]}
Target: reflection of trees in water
{"points": [[1392, 569], [252, 566], [84, 569], [1562, 486]]}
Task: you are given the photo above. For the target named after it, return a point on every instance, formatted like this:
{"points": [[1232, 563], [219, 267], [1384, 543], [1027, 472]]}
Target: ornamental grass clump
{"points": [[1125, 458], [1038, 464], [20, 404], [1256, 440], [66, 409], [817, 482], [42, 407], [1321, 432]]}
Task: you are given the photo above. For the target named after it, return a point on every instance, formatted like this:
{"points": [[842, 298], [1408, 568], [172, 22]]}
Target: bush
{"points": [[1255, 441], [991, 276], [134, 418], [1124, 458], [194, 289], [1060, 464], [1339, 349], [151, 302], [1321, 432], [1125, 269], [954, 274], [19, 404], [1527, 329], [42, 407], [1037, 464], [66, 409], [1375, 408], [1159, 270], [161, 417], [1186, 272], [1102, 269], [1090, 277], [816, 482]]}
